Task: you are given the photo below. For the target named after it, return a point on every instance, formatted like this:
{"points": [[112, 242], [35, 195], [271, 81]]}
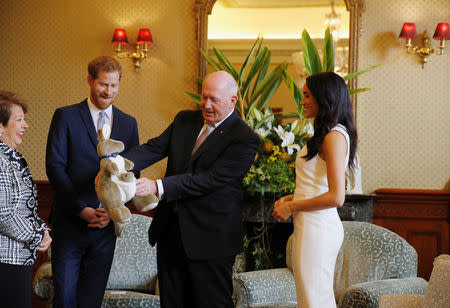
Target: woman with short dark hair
{"points": [[22, 232], [320, 189]]}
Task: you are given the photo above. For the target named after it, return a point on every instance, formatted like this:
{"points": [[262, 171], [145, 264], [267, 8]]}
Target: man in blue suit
{"points": [[83, 237], [198, 223]]}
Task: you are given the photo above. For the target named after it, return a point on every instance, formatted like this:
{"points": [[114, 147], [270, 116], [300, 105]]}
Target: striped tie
{"points": [[207, 129], [101, 119]]}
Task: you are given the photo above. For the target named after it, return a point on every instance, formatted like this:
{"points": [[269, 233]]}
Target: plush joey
{"points": [[115, 185]]}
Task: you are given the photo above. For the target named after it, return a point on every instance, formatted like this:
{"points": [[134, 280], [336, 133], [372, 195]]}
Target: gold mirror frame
{"points": [[203, 9]]}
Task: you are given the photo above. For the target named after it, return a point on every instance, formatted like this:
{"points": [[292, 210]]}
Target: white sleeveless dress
{"points": [[317, 236]]}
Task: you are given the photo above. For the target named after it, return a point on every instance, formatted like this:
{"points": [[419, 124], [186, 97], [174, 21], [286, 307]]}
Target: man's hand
{"points": [[103, 215], [96, 218], [43, 245], [145, 186]]}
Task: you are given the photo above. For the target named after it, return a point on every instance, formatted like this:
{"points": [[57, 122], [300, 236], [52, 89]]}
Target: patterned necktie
{"points": [[101, 119], [207, 129]]}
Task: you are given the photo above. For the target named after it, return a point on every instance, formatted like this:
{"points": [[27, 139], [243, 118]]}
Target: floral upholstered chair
{"points": [[133, 277], [438, 292], [371, 262]]}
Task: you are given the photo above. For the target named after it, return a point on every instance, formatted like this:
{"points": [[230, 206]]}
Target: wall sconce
{"points": [[144, 39], [442, 33]]}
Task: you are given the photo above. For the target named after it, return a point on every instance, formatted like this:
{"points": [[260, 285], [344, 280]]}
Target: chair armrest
{"points": [[401, 301], [266, 286], [43, 282], [366, 294]]}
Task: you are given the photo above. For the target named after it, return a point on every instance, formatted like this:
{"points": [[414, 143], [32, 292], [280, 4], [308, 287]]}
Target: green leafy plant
{"points": [[256, 85], [313, 64]]}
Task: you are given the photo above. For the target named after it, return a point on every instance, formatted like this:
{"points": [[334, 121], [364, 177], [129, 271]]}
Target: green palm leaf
{"points": [[216, 66], [260, 60], [226, 64], [244, 67], [194, 97], [265, 85], [295, 92], [262, 72], [328, 52], [355, 91], [353, 75], [310, 54]]}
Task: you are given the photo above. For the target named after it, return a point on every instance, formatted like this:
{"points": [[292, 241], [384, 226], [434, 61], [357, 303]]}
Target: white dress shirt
{"points": [[95, 114]]}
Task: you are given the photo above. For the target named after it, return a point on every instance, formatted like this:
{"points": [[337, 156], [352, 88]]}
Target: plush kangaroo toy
{"points": [[115, 184]]}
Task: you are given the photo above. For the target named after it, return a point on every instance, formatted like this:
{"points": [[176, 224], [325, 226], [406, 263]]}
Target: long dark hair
{"points": [[331, 94]]}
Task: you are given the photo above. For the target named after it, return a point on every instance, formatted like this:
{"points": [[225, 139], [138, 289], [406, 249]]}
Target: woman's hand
{"points": [[43, 245], [283, 199], [282, 210]]}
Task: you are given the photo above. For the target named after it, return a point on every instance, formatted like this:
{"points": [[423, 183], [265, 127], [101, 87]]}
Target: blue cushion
{"points": [[134, 264], [116, 299]]}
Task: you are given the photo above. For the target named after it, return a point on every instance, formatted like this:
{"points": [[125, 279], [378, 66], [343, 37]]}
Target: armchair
{"points": [[372, 261], [437, 295], [133, 278]]}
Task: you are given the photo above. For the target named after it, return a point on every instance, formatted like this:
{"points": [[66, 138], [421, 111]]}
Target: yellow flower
{"points": [[285, 156], [276, 150], [272, 158], [268, 146]]}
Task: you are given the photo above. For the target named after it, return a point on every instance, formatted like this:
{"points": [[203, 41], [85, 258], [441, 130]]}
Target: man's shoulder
{"points": [[188, 115], [243, 128]]}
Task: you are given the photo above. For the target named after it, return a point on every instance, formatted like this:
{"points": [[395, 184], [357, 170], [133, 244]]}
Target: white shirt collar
{"points": [[95, 111]]}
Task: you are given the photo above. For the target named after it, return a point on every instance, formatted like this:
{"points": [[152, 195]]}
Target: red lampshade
{"points": [[442, 31], [144, 36], [120, 36], [408, 31]]}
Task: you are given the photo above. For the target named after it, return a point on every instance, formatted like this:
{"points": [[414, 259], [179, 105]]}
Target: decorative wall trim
{"points": [[356, 8]]}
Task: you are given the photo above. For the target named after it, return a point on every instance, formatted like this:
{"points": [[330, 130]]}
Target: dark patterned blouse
{"points": [[21, 230]]}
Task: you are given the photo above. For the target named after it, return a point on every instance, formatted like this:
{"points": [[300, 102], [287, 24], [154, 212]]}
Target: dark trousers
{"points": [[81, 261], [15, 285], [191, 283]]}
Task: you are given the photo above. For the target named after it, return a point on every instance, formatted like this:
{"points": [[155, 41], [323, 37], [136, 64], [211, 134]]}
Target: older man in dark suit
{"points": [[83, 237], [198, 224]]}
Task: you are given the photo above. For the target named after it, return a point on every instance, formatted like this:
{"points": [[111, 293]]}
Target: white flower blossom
{"points": [[292, 147], [279, 130], [288, 139], [262, 132], [308, 129]]}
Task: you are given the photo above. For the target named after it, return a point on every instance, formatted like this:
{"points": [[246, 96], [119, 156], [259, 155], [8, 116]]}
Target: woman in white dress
{"points": [[320, 189]]}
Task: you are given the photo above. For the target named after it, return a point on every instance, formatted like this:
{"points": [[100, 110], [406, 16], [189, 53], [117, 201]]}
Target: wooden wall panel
{"points": [[419, 216]]}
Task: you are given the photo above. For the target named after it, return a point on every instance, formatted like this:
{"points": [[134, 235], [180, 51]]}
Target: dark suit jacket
{"points": [[72, 161], [206, 187]]}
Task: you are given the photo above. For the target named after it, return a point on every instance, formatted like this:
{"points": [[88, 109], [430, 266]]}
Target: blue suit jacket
{"points": [[72, 161], [206, 186]]}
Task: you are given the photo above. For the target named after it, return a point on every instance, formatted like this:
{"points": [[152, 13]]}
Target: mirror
{"points": [[354, 7]]}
